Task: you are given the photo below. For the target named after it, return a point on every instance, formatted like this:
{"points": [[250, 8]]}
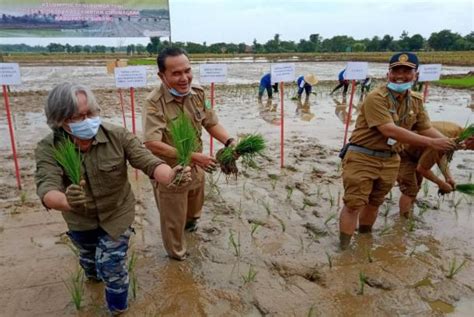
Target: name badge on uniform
{"points": [[391, 141]]}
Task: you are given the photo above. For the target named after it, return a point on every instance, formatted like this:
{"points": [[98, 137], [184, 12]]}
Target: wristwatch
{"points": [[229, 141]]}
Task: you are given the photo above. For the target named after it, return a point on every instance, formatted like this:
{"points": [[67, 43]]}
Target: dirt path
{"points": [[283, 224]]}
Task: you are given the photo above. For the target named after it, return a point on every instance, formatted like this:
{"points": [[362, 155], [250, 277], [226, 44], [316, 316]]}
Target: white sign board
{"points": [[10, 74], [131, 76], [282, 73], [429, 72], [212, 73], [356, 70]]}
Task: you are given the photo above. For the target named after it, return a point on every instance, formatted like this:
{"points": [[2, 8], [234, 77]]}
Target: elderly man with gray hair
{"points": [[100, 211]]}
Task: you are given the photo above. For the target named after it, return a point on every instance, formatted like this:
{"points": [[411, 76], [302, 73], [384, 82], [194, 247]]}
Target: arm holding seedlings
{"points": [[426, 162], [402, 135]]}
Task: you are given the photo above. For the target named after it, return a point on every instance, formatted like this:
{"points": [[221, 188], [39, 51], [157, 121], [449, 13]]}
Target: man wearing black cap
{"points": [[385, 122]]}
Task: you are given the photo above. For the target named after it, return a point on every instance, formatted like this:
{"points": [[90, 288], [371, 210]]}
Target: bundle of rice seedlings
{"points": [[247, 148], [465, 134], [69, 157], [185, 141], [467, 189]]}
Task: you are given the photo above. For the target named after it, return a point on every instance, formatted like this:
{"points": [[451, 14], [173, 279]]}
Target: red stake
{"points": [[425, 92], [350, 112], [12, 136], [211, 141], [132, 98], [123, 109], [282, 129]]}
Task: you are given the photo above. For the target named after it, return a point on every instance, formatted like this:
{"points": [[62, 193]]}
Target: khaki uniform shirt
{"points": [[161, 108], [427, 157], [380, 108], [110, 200]]}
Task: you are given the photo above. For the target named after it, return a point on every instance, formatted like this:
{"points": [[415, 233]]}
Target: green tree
{"points": [[416, 42], [443, 40]]}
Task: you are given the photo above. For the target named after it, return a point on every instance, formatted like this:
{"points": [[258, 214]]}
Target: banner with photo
{"points": [[84, 18]]}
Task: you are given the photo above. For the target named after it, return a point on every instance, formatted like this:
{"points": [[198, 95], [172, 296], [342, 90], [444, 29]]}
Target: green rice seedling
{"points": [[457, 203], [422, 211], [75, 287], [466, 133], [454, 268], [467, 189], [390, 196], [23, 197], [411, 225], [385, 230], [250, 276], [133, 284], [289, 192], [247, 148], [369, 255], [318, 192], [312, 311], [331, 198], [426, 188], [438, 203], [282, 223], [235, 244], [273, 182], [69, 157], [183, 135], [362, 281], [338, 166], [412, 252], [266, 205], [470, 177], [338, 199], [329, 218], [386, 209], [302, 248], [329, 258], [253, 228]]}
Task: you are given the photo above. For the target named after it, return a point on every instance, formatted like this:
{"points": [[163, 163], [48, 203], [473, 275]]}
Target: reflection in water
{"points": [[268, 112], [342, 109], [304, 110]]}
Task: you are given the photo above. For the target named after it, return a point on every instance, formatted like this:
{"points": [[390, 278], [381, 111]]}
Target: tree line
{"points": [[444, 40]]}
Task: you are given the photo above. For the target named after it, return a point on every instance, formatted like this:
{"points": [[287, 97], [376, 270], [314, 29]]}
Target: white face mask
{"points": [[85, 129]]}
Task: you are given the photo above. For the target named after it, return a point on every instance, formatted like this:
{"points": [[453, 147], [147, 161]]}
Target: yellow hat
{"points": [[310, 79]]}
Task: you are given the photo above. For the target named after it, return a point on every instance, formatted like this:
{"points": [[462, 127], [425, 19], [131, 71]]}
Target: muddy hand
{"points": [[76, 196], [443, 144], [182, 175]]}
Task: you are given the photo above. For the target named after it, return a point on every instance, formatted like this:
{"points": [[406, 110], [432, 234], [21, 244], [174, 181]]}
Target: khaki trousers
{"points": [[176, 206]]}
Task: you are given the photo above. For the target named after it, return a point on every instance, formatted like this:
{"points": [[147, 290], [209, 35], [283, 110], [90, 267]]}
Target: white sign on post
{"points": [[10, 74], [131, 76], [356, 70], [282, 73], [429, 72], [212, 73]]}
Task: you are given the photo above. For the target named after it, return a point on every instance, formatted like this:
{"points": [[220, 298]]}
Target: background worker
{"points": [[305, 83], [266, 84], [342, 83]]}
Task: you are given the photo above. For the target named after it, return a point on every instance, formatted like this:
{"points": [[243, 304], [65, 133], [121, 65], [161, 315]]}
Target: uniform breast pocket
{"points": [[199, 115], [113, 170], [409, 121]]}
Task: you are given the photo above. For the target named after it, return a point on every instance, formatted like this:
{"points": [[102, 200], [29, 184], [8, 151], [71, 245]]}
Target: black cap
{"points": [[404, 59]]}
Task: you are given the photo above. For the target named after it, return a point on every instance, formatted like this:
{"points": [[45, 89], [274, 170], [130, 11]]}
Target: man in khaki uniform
{"points": [[416, 163], [179, 209], [370, 166]]}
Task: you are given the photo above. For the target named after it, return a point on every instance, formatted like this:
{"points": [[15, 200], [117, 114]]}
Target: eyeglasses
{"points": [[83, 116]]}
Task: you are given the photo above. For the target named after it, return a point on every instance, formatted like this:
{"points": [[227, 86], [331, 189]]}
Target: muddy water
{"points": [[45, 77], [283, 223]]}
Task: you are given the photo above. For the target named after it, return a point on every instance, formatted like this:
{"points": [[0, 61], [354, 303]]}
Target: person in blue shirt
{"points": [[305, 83], [266, 84], [342, 83]]}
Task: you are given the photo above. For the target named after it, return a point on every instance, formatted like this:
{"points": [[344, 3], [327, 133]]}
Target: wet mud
{"points": [[267, 244]]}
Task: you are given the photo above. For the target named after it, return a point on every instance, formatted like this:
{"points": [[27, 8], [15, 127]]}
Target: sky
{"points": [[239, 21]]}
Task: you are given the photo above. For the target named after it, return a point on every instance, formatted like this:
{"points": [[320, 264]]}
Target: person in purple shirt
{"points": [[266, 84], [305, 83]]}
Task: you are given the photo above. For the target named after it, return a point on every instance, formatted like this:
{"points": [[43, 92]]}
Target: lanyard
{"points": [[395, 105]]}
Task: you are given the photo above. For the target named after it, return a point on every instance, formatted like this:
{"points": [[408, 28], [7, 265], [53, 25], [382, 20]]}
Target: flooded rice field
{"points": [[267, 244], [46, 77]]}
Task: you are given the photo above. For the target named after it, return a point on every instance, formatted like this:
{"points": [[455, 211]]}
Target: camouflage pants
{"points": [[104, 258]]}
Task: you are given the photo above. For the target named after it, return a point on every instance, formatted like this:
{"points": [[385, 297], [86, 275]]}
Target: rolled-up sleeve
{"points": [[138, 156], [48, 175], [154, 123]]}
